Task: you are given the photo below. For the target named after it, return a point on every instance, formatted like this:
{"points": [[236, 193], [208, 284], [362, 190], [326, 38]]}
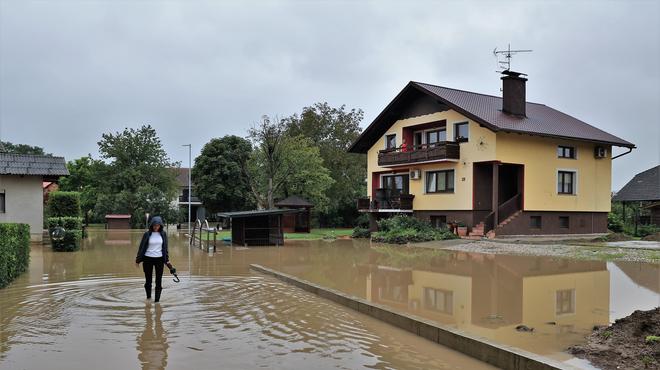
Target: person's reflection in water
{"points": [[152, 344]]}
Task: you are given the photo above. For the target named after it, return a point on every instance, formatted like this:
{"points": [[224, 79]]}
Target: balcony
{"points": [[393, 203], [447, 150], [193, 199]]}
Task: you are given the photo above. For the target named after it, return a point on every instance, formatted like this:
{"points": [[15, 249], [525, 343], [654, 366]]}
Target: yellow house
{"points": [[499, 165]]}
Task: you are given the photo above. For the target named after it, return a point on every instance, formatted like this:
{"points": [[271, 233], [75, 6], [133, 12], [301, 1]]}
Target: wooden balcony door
{"points": [[397, 184]]}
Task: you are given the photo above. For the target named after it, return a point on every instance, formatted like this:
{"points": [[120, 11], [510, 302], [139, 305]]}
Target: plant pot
{"points": [[462, 230]]}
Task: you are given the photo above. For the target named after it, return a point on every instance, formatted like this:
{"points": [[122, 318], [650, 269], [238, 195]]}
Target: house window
{"points": [[535, 222], [566, 152], [435, 136], [563, 222], [439, 222], [566, 182], [565, 301], [417, 139], [439, 300], [440, 181], [390, 141], [397, 184], [2, 201], [461, 132]]}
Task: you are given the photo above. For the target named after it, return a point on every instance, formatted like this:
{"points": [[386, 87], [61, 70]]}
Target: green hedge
{"points": [[14, 251], [64, 204], [72, 234], [404, 229]]}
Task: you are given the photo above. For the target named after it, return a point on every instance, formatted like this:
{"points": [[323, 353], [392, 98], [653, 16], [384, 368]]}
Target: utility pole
{"points": [[189, 205]]}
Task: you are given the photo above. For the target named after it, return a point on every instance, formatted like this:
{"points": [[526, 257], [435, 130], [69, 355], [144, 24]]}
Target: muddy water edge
{"points": [[87, 309]]}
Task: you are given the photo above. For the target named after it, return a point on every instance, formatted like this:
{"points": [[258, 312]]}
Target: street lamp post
{"points": [[189, 181], [189, 206]]}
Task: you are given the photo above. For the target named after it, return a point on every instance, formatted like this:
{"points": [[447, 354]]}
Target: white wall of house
{"points": [[23, 202]]}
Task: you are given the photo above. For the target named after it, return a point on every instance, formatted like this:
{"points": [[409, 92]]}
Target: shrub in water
{"points": [[14, 251], [72, 234]]}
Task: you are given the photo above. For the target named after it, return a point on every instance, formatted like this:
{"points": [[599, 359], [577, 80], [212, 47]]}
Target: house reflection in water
{"points": [[490, 295]]}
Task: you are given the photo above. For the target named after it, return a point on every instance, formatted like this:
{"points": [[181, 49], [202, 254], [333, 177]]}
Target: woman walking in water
{"points": [[153, 254]]}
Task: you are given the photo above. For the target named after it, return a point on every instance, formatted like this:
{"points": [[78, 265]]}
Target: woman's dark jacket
{"points": [[144, 244]]}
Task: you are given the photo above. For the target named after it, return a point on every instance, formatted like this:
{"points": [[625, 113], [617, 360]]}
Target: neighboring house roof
{"points": [[487, 110], [294, 201], [32, 165], [644, 186], [117, 216], [181, 174]]}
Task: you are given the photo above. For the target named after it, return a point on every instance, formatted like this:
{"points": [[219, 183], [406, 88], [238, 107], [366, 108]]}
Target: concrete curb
{"points": [[482, 349]]}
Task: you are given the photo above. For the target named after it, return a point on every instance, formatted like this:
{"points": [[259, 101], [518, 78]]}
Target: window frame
{"points": [[387, 141], [405, 185], [461, 139], [561, 172], [448, 308], [561, 150], [447, 189], [565, 295], [3, 201], [561, 224], [532, 224]]}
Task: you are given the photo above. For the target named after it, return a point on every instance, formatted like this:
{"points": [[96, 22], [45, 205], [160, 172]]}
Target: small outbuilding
{"points": [[296, 222], [264, 227], [643, 189], [118, 221]]}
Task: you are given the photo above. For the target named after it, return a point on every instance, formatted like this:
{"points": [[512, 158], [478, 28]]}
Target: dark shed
{"points": [[257, 227], [296, 222], [644, 189], [118, 221]]}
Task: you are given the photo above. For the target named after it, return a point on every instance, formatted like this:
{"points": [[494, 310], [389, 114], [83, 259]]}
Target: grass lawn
{"points": [[315, 234]]}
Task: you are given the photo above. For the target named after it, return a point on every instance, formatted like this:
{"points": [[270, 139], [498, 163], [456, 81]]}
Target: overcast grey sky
{"points": [[71, 70]]}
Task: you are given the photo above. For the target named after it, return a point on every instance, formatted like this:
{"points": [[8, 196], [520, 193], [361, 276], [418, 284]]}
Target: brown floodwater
{"points": [[86, 310]]}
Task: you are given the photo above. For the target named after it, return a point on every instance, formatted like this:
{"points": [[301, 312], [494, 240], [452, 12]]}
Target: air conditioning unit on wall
{"points": [[415, 174], [600, 152]]}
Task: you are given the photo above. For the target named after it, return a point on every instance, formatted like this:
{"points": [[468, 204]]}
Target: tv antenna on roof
{"points": [[507, 54]]}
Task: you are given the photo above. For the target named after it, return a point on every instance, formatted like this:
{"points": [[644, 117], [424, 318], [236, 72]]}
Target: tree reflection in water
{"points": [[152, 343]]}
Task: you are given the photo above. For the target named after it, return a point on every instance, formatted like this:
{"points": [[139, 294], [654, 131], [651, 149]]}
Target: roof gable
{"points": [[487, 110], [32, 165], [644, 186]]}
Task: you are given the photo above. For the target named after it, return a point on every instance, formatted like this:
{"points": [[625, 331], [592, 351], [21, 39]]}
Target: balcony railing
{"points": [[184, 199], [402, 202], [420, 153]]}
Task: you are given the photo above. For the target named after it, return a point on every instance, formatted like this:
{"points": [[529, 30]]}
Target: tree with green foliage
{"points": [[85, 176], [7, 147], [281, 162], [333, 130], [218, 175], [137, 178]]}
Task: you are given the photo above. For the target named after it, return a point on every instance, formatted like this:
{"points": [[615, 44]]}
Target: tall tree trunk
{"points": [[271, 204]]}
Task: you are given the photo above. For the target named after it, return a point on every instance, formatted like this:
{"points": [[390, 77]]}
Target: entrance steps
{"points": [[478, 231]]}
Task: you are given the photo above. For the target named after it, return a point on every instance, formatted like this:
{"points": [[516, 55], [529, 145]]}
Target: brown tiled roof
{"points": [[32, 165], [181, 174], [487, 109], [645, 186]]}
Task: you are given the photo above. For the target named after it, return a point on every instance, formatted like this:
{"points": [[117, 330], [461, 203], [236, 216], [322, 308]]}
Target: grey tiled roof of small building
{"points": [[644, 186], [32, 165]]}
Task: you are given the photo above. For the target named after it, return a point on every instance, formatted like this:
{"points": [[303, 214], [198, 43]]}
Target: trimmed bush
{"points": [[72, 234], [405, 229], [361, 232], [14, 251], [64, 204]]}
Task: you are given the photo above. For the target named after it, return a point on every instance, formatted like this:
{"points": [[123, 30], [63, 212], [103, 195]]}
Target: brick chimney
{"points": [[513, 93]]}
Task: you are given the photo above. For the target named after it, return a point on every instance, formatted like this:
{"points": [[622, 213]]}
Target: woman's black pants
{"points": [[148, 265]]}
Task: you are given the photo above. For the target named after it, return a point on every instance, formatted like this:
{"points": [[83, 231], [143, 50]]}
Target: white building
{"points": [[21, 191]]}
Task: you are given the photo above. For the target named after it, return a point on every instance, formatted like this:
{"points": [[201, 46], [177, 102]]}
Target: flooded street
{"points": [[75, 309], [87, 309]]}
